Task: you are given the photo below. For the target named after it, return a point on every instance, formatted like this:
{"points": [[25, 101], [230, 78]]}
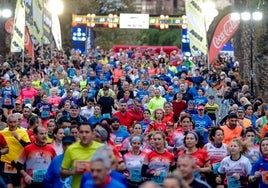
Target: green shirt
{"points": [[76, 152]]}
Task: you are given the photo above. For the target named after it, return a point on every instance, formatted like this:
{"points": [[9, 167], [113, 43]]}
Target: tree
{"points": [[160, 37], [262, 61]]}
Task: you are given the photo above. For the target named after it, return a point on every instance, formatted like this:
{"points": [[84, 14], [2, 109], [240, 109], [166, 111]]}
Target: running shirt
{"points": [[200, 156], [202, 122], [241, 166], [230, 134], [262, 166], [216, 154], [133, 166], [76, 155], [211, 109], [37, 160], [160, 162], [45, 109], [253, 154], [15, 148]]}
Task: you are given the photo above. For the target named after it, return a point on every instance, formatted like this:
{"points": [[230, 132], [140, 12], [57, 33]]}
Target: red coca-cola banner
{"points": [[224, 31], [28, 43]]}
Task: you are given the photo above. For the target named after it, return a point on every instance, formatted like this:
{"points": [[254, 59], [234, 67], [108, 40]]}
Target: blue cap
{"points": [[241, 108]]}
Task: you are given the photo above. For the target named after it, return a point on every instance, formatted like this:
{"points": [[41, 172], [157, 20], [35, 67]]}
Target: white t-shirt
{"points": [[241, 166]]}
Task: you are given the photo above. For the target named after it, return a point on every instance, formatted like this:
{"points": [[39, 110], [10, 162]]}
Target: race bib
{"points": [[27, 101], [39, 175], [234, 183], [9, 169], [159, 179], [81, 166], [264, 175], [107, 115], [7, 101], [135, 176], [45, 114], [215, 167]]}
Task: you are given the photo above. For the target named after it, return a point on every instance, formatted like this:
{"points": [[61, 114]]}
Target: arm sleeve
{"points": [[255, 167], [23, 143], [144, 171]]}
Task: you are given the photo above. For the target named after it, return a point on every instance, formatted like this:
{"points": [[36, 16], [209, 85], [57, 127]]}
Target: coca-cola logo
{"points": [[228, 29]]}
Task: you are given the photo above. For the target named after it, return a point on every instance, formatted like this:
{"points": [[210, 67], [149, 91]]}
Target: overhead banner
{"points": [[17, 40], [224, 31], [196, 26]]}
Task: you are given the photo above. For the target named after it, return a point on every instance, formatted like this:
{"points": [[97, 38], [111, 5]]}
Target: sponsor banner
{"points": [[56, 31], [28, 43], [37, 7], [196, 26], [17, 40], [9, 25], [47, 26], [224, 31]]}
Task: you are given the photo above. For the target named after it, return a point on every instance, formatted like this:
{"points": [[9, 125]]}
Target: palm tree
{"points": [[262, 66], [245, 47]]}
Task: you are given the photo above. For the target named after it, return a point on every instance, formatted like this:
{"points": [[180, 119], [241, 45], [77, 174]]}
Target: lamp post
{"points": [[250, 17]]}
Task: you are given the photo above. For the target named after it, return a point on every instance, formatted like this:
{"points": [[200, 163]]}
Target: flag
{"points": [[28, 43], [56, 31], [224, 31], [196, 26], [17, 40], [37, 15]]}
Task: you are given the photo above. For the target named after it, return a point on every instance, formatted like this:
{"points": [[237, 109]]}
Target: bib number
{"points": [[234, 183], [9, 169], [135, 176], [44, 114], [216, 166], [159, 179], [39, 175], [7, 101], [264, 176]]}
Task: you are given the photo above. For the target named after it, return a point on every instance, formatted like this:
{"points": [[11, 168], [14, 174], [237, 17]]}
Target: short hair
{"points": [[213, 131], [188, 157], [176, 174], [12, 116], [101, 157], [32, 120], [35, 130], [150, 184], [232, 115]]}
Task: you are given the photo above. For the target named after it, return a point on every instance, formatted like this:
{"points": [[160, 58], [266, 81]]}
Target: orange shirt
{"points": [[264, 130], [246, 123], [230, 134]]}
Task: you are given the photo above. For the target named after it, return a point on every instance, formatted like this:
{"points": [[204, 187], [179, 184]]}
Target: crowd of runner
{"points": [[133, 118]]}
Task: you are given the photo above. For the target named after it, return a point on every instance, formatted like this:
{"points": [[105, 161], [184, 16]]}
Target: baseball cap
{"points": [[145, 83], [68, 139], [211, 97], [190, 102], [201, 107], [74, 106], [28, 106], [241, 108], [18, 102], [83, 90]]}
